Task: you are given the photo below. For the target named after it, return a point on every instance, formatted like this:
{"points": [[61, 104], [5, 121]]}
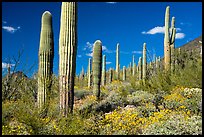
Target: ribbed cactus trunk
{"points": [[133, 63], [140, 68], [124, 73], [144, 63], [89, 73], [130, 68], [67, 56], [104, 71], [172, 46], [97, 67], [110, 75], [46, 55], [117, 62], [169, 40]]}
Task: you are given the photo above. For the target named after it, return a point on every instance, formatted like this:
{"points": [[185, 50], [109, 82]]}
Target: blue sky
{"points": [[128, 23]]}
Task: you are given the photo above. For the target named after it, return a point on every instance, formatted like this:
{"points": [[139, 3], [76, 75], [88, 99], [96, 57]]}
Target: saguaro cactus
{"points": [[89, 73], [67, 56], [97, 67], [104, 71], [46, 55], [169, 40], [117, 62], [110, 75], [144, 63], [140, 68], [133, 63], [124, 73]]}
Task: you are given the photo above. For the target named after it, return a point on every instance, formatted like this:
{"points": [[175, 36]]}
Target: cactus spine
{"points": [[144, 63], [124, 73], [46, 55], [67, 56], [104, 71], [97, 66], [140, 68], [89, 73], [117, 62], [168, 42]]}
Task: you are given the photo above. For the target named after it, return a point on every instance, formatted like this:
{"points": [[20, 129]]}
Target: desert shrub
{"points": [[176, 124], [139, 98], [81, 93], [87, 103]]}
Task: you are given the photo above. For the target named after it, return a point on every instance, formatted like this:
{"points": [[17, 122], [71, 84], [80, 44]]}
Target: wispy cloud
{"points": [[6, 65], [79, 56], [186, 23], [111, 2], [180, 35], [108, 63], [89, 54], [157, 30], [137, 52], [4, 22], [10, 29]]}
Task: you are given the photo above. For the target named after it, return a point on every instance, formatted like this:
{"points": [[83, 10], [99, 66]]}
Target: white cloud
{"points": [[158, 29], [111, 2], [5, 65], [88, 46], [155, 30], [4, 22], [108, 63], [137, 52], [89, 54], [180, 35], [79, 56], [11, 29]]}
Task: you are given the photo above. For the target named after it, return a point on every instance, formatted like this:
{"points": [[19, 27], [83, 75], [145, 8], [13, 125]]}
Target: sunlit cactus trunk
{"points": [[133, 65], [130, 68], [144, 64], [46, 55], [117, 62], [169, 40], [124, 73], [110, 75], [97, 67], [140, 68], [172, 46], [104, 71], [67, 56], [89, 73]]}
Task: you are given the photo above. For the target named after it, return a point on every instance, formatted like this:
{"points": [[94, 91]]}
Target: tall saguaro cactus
{"points": [[144, 63], [117, 62], [46, 55], [169, 40], [140, 68], [110, 75], [124, 73], [133, 63], [104, 71], [89, 73], [67, 55], [97, 67]]}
